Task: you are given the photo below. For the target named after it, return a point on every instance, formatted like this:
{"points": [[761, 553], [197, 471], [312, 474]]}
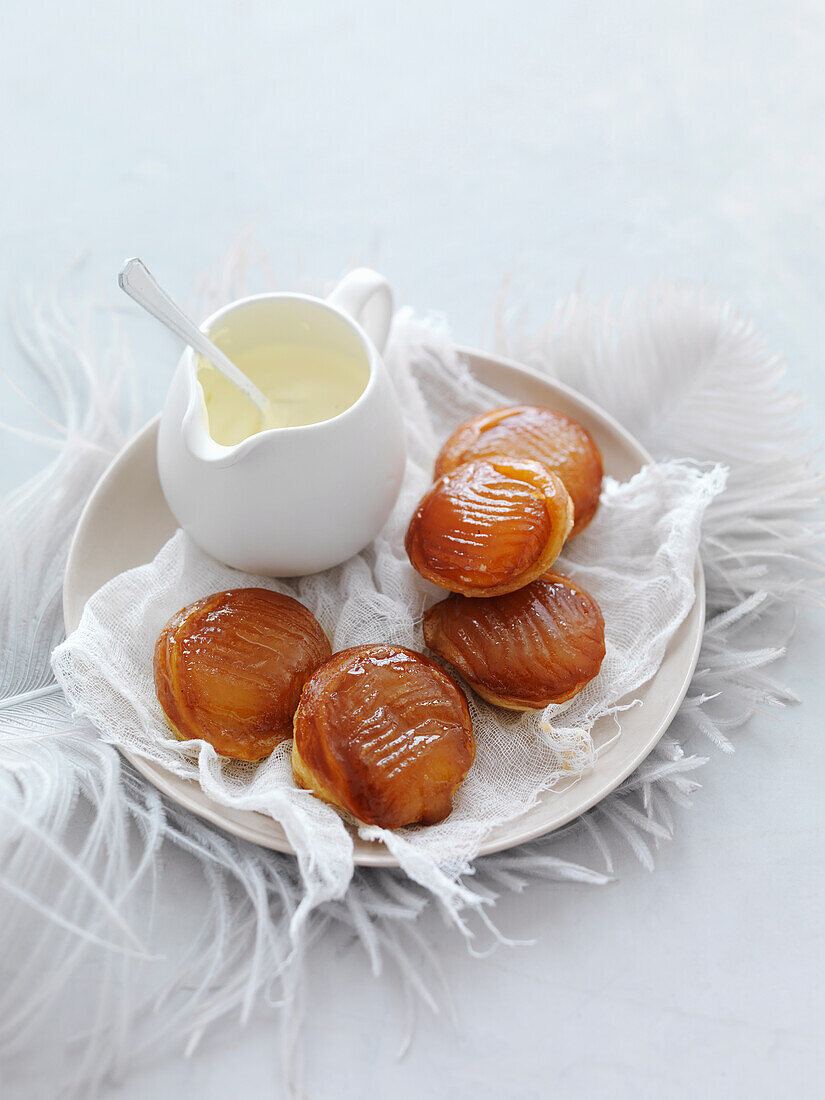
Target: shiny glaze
{"points": [[230, 669], [385, 734], [490, 526], [524, 650], [528, 431]]}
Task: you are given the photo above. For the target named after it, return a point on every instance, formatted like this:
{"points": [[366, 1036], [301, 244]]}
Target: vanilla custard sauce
{"points": [[305, 385]]}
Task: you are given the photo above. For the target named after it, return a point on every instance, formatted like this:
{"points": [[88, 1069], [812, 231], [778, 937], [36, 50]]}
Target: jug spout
{"points": [[186, 414], [198, 441], [195, 427]]}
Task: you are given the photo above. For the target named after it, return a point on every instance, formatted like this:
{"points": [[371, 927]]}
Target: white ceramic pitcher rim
{"points": [[224, 455]]}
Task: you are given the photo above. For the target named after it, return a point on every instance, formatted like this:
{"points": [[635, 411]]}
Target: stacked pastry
{"points": [[511, 487], [380, 731]]}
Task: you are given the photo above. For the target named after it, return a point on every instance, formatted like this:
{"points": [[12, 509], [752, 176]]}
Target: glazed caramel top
{"points": [[538, 645], [490, 525], [528, 431], [386, 734], [230, 669]]}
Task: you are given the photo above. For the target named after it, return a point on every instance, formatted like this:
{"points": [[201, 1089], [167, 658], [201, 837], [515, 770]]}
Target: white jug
{"points": [[295, 500]]}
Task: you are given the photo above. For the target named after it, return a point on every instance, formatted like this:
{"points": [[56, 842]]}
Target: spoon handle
{"points": [[140, 284]]}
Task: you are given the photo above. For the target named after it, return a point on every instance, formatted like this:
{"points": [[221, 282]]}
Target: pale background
{"points": [[448, 144]]}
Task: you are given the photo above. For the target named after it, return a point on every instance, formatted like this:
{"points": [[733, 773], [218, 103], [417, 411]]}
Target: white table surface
{"points": [[598, 144]]}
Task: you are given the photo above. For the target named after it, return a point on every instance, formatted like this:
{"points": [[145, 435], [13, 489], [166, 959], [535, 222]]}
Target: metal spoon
{"points": [[140, 284]]}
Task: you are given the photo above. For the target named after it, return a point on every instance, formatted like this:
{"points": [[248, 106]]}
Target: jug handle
{"points": [[366, 297]]}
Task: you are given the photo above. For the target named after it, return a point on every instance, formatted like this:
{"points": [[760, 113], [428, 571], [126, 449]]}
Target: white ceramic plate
{"points": [[126, 521]]}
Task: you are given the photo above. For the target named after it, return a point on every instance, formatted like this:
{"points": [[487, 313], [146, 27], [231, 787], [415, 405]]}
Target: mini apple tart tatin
{"points": [[384, 734], [230, 669], [490, 526], [527, 431], [524, 650]]}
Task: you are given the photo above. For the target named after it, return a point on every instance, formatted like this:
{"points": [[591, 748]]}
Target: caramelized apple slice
{"points": [[230, 669], [490, 526], [385, 734], [527, 431], [525, 650]]}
